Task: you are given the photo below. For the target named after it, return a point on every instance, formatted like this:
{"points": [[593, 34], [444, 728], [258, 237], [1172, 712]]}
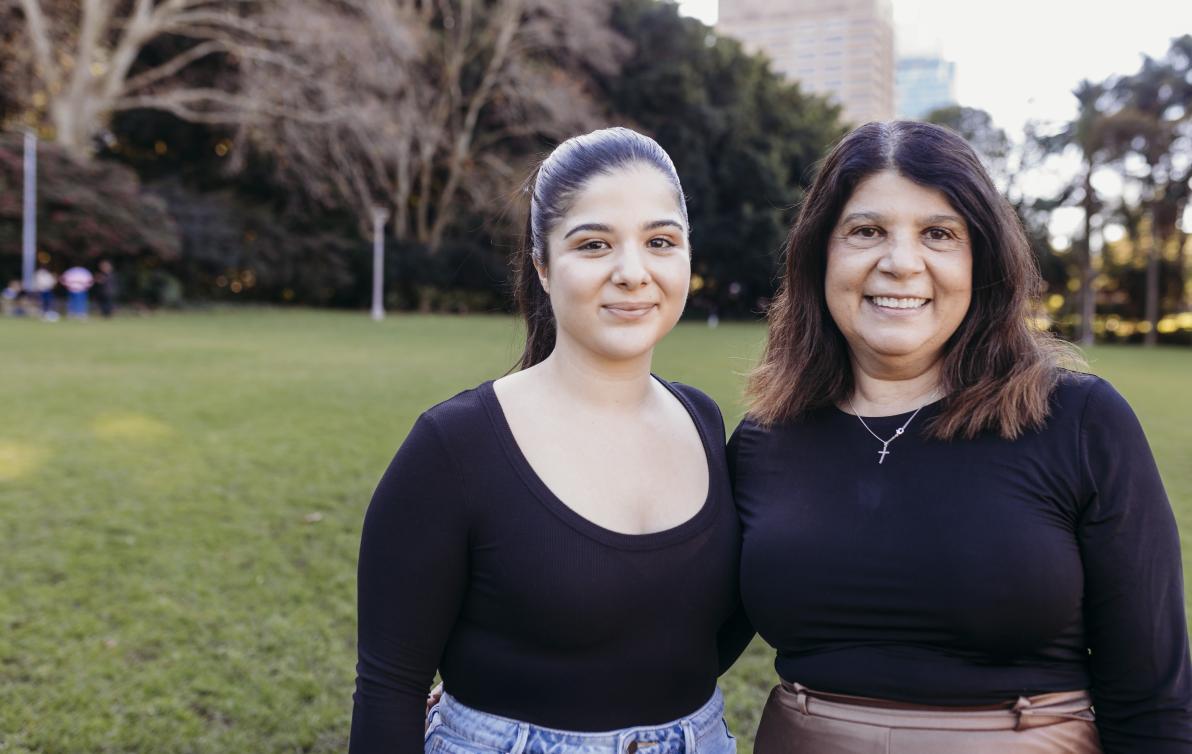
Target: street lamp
{"points": [[380, 215]]}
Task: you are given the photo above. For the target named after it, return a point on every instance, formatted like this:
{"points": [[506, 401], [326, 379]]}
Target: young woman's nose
{"points": [[630, 267]]}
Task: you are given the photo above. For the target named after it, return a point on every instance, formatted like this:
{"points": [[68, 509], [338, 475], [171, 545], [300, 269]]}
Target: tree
{"points": [[744, 141], [79, 63], [976, 126], [436, 104], [1086, 135], [91, 210], [1152, 124]]}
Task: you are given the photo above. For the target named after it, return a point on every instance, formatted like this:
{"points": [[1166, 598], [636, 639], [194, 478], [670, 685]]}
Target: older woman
{"points": [[954, 544]]}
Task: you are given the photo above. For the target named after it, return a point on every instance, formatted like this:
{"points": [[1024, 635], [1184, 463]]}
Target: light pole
{"points": [[380, 215], [29, 235]]}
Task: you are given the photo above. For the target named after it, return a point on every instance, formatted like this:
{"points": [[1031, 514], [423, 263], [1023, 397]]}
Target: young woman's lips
{"points": [[630, 311]]}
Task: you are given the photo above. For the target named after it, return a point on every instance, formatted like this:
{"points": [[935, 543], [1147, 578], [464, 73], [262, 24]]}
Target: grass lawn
{"points": [[181, 498]]}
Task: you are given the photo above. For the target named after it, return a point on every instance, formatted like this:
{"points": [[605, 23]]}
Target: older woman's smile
{"points": [[897, 302]]}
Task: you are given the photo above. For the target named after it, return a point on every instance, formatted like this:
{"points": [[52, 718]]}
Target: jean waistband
{"points": [[1025, 712], [506, 734]]}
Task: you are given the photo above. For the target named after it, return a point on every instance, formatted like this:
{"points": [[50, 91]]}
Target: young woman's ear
{"points": [[540, 268]]}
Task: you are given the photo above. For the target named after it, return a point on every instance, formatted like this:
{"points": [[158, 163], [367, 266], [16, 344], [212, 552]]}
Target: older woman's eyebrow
{"points": [[662, 224], [943, 219], [596, 227], [872, 217]]}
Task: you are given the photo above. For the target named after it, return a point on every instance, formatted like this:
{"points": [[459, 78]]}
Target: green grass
{"points": [[181, 497]]}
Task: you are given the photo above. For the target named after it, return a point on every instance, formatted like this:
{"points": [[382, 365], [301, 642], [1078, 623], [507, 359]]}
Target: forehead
{"points": [[890, 194], [626, 193]]}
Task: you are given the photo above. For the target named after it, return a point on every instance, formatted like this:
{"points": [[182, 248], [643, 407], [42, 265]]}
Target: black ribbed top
{"points": [[471, 566], [974, 571]]}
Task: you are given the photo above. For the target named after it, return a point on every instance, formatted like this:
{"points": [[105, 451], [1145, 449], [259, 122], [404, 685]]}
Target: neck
{"points": [[881, 393], [598, 383]]}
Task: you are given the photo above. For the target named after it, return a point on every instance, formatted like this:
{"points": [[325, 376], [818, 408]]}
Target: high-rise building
{"points": [[840, 48], [924, 84]]}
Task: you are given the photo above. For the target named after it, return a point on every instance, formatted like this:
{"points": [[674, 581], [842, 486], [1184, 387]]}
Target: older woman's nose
{"points": [[902, 256]]}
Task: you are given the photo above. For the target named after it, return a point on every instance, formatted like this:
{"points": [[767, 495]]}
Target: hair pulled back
{"points": [[552, 187]]}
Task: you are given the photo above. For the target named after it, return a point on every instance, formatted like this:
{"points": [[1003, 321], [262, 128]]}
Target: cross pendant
{"points": [[882, 454]]}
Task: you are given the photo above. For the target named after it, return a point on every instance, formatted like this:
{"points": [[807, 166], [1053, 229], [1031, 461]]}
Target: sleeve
{"points": [[410, 584], [738, 631], [1134, 597]]}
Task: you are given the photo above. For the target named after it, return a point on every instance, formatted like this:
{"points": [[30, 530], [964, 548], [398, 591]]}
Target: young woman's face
{"points": [[900, 272], [618, 264]]}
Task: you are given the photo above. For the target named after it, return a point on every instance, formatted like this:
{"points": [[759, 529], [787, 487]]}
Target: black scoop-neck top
{"points": [[471, 566], [972, 571]]}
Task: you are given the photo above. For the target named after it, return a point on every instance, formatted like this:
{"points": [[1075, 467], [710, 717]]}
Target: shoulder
{"points": [[1090, 399], [461, 414], [705, 409]]}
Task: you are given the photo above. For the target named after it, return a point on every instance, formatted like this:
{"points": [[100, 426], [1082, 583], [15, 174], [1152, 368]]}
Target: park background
{"points": [[181, 487]]}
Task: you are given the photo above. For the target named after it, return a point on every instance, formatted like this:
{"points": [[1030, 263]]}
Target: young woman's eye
{"points": [[594, 245], [660, 242]]}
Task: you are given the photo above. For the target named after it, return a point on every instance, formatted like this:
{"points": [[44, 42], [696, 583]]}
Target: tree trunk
{"points": [[1088, 304], [1151, 304], [1181, 266]]}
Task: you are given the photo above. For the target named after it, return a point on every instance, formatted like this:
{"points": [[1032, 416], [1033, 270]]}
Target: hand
{"points": [[433, 697]]}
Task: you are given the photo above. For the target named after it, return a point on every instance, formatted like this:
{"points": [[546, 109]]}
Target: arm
{"points": [[411, 581], [1134, 605], [738, 631]]}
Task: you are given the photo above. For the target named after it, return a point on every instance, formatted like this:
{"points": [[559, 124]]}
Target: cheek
{"points": [[957, 275], [843, 279]]}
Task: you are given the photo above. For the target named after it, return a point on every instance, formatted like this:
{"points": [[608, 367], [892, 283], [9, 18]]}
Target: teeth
{"points": [[899, 303]]}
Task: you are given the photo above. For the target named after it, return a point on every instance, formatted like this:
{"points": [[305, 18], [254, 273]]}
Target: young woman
{"points": [[577, 513]]}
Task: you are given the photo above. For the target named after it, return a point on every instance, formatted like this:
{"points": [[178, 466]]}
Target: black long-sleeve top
{"points": [[471, 566], [973, 571]]}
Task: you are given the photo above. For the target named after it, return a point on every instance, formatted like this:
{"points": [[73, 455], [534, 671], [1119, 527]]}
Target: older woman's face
{"points": [[900, 271]]}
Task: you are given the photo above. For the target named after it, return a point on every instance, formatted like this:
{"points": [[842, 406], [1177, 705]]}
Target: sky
{"points": [[1020, 59]]}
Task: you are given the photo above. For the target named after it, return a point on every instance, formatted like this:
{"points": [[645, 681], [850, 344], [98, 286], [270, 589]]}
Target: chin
{"points": [[626, 348]]}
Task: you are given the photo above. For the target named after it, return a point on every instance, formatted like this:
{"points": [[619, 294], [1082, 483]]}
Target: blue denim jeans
{"points": [[453, 728]]}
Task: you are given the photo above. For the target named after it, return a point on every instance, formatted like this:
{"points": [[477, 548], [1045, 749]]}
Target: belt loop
{"points": [[623, 743], [523, 734], [1020, 706], [688, 737], [801, 698]]}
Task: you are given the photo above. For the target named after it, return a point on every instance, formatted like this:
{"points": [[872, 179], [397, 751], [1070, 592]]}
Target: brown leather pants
{"points": [[797, 720]]}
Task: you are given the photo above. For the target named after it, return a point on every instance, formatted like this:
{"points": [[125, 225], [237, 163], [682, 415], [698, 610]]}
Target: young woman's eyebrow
{"points": [[596, 227], [662, 224]]}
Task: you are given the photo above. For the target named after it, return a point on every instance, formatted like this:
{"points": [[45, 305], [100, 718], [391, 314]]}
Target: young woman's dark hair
{"points": [[552, 187], [998, 370]]}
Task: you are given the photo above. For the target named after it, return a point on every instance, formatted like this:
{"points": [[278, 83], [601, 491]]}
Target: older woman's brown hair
{"points": [[997, 370]]}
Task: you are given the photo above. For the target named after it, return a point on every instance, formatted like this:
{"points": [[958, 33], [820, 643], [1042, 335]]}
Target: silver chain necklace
{"points": [[881, 454]]}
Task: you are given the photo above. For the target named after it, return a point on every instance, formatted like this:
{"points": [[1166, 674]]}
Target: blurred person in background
{"points": [[43, 283], [77, 281], [955, 544], [106, 287], [12, 298]]}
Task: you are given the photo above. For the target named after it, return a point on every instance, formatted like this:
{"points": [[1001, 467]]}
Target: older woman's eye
{"points": [[864, 236], [940, 234]]}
